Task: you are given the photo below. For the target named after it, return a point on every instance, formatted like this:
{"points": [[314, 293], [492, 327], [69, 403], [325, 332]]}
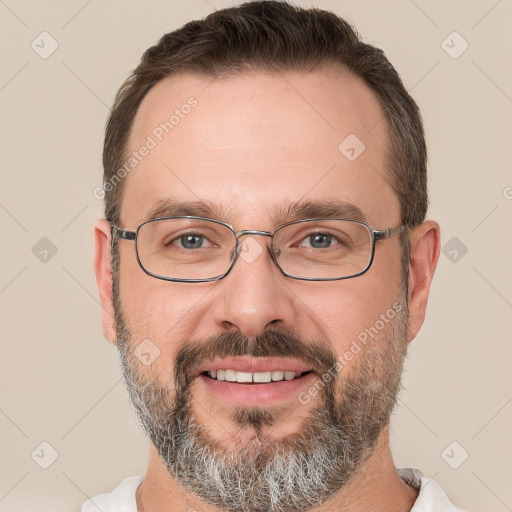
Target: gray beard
{"points": [[297, 473]]}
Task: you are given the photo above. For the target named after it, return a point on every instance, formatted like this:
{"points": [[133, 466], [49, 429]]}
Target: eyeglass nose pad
{"points": [[238, 249], [236, 252], [275, 251]]}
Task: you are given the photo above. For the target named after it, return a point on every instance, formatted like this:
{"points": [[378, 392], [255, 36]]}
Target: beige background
{"points": [[60, 380]]}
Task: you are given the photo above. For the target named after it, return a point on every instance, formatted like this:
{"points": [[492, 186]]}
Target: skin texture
{"points": [[255, 143]]}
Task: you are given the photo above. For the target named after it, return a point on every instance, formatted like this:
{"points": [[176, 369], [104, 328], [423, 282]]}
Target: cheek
{"points": [[156, 310], [346, 310], [145, 300]]}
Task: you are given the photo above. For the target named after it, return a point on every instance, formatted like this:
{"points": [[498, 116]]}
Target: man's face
{"points": [[253, 146]]}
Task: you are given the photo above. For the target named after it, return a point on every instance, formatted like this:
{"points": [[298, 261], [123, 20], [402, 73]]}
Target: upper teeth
{"points": [[234, 376]]}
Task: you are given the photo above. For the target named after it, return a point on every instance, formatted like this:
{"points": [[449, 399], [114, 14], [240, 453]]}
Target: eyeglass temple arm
{"points": [[388, 233], [124, 234]]}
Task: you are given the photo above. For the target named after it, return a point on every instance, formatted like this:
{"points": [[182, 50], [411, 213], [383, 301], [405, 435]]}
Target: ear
{"points": [[425, 247], [103, 272]]}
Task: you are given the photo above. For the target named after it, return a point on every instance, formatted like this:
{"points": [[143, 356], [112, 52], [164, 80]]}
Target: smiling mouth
{"points": [[254, 377]]}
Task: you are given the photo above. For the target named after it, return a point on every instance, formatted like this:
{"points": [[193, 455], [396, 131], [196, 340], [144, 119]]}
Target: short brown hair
{"points": [[275, 36]]}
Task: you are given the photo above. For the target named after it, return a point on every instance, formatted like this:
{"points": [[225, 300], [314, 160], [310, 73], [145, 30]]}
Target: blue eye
{"points": [[191, 241], [188, 241], [320, 240]]}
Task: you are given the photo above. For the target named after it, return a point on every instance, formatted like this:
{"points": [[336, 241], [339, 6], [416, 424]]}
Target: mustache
{"points": [[272, 343]]}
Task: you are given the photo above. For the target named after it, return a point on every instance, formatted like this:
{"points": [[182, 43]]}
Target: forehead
{"points": [[256, 141]]}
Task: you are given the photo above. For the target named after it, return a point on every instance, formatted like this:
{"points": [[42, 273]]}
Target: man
{"points": [[264, 262]]}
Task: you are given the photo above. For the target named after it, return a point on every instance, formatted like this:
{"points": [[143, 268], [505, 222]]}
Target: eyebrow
{"points": [[325, 208], [280, 214], [172, 208]]}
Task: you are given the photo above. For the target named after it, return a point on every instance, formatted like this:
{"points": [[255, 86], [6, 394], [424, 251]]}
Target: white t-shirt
{"points": [[431, 497]]}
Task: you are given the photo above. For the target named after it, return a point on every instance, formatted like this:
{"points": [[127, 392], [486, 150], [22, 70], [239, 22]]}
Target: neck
{"points": [[376, 486]]}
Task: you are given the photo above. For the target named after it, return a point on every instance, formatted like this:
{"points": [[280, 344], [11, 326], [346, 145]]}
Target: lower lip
{"points": [[241, 394]]}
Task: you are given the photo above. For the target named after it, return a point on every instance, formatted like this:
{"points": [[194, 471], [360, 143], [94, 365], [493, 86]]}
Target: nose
{"points": [[254, 296]]}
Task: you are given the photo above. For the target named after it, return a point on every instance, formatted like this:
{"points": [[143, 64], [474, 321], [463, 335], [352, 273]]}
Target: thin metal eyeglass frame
{"points": [[376, 235]]}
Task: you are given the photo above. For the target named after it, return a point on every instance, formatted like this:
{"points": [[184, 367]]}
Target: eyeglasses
{"points": [[196, 249]]}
